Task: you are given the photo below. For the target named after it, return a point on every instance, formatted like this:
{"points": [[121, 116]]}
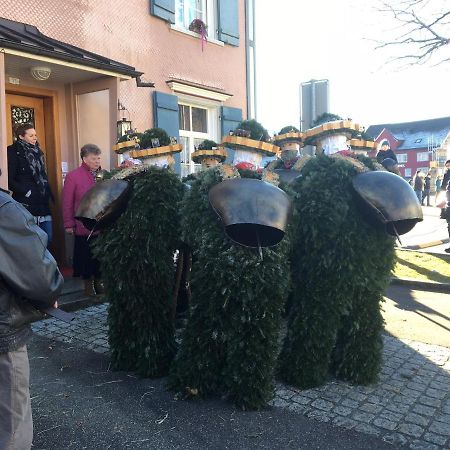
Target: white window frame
{"points": [[209, 16], [407, 172], [402, 158], [423, 157], [212, 120]]}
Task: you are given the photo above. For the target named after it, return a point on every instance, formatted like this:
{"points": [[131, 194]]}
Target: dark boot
{"points": [[89, 289], [99, 286]]}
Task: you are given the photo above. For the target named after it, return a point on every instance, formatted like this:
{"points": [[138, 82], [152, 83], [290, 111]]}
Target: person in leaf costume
{"points": [[230, 344], [136, 254], [341, 266]]}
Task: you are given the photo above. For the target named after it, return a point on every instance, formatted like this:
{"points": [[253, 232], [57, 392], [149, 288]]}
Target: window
{"points": [[402, 158], [422, 156], [407, 173], [197, 123], [188, 10]]}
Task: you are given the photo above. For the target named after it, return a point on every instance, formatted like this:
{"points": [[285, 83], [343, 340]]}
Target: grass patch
{"points": [[422, 266]]}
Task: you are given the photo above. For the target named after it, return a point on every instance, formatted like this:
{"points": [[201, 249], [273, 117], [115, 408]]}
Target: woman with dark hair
{"points": [[76, 184], [27, 177]]}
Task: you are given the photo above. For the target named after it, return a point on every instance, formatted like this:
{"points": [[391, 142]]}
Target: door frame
{"points": [[53, 150]]}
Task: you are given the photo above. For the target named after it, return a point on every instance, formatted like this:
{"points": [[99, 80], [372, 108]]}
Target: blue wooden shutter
{"points": [[230, 118], [165, 116], [228, 15], [164, 9]]}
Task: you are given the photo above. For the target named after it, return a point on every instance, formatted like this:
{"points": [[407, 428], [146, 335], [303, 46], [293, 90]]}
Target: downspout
{"points": [[3, 142], [250, 61]]}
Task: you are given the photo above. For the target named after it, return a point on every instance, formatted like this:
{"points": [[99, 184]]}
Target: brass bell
{"points": [[388, 200], [255, 213], [103, 203]]}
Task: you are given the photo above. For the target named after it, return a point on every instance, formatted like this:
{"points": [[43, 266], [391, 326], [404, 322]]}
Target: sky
{"points": [[302, 40]]}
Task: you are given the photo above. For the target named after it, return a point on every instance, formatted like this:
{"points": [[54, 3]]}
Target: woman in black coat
{"points": [[27, 177]]}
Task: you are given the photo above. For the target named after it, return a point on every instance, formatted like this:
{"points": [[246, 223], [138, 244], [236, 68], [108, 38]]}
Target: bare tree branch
{"points": [[422, 30]]}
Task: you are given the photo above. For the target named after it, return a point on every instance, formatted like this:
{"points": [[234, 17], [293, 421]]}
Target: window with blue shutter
{"points": [[165, 116], [164, 9], [228, 15], [230, 118]]}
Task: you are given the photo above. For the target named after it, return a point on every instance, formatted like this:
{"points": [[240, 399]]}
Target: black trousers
{"points": [[84, 263]]}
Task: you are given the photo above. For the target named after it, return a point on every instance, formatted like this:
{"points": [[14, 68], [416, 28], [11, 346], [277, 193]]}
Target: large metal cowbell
{"points": [[255, 213]]}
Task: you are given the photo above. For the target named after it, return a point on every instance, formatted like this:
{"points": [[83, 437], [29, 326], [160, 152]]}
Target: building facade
{"points": [[422, 145], [75, 69]]}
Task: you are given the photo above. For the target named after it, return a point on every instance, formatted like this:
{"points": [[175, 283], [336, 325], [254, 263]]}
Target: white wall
{"points": [[93, 122]]}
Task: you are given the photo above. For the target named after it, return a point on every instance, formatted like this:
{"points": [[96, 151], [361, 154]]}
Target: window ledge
{"points": [[209, 40]]}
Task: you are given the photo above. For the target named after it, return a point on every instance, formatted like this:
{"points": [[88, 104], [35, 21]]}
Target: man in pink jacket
{"points": [[76, 184]]}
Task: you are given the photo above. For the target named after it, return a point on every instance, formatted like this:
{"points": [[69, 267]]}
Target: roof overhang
{"points": [[60, 62], [27, 41], [198, 90]]}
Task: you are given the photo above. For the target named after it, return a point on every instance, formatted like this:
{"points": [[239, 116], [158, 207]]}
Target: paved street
{"points": [[78, 403], [410, 405], [418, 315], [431, 229]]}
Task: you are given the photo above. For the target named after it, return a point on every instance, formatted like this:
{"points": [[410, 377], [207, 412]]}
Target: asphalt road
{"points": [[432, 228], [418, 315], [79, 404]]}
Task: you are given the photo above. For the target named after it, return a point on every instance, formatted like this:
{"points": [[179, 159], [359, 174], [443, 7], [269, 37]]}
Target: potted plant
{"points": [[200, 27]]}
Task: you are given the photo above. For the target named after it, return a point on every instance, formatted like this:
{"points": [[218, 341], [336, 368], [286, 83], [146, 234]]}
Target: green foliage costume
{"points": [[136, 256], [230, 344], [340, 268]]}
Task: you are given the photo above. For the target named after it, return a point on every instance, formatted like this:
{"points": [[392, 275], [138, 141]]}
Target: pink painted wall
{"points": [[125, 31]]}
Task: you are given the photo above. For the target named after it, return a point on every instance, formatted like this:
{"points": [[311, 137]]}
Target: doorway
{"points": [[22, 109], [38, 107]]}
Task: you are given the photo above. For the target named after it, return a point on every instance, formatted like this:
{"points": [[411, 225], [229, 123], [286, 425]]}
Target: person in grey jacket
{"points": [[29, 280]]}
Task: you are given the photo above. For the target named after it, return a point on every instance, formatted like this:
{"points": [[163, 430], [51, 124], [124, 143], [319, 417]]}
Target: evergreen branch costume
{"points": [[341, 266], [229, 346], [136, 256]]}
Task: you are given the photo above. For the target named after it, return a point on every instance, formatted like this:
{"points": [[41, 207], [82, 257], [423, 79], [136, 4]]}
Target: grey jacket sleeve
{"points": [[26, 265]]}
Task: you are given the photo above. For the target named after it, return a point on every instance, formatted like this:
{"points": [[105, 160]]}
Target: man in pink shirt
{"points": [[76, 184]]}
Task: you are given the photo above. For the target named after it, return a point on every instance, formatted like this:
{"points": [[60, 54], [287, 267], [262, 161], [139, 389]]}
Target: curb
{"points": [[431, 286], [426, 245], [81, 303]]}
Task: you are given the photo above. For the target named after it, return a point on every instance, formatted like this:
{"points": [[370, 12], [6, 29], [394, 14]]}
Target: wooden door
{"points": [[23, 109], [38, 111]]}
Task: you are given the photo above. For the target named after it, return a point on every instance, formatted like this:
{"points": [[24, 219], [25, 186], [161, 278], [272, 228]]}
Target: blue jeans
{"points": [[419, 196], [47, 227]]}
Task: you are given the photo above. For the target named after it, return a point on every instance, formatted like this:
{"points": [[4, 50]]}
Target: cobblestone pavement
{"points": [[409, 406]]}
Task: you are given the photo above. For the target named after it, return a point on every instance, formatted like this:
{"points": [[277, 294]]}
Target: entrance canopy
{"points": [[27, 41]]}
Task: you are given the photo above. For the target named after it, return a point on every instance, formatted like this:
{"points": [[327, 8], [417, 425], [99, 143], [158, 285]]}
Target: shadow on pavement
{"points": [[78, 403]]}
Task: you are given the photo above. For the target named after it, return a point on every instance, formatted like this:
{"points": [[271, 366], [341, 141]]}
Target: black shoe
{"points": [[447, 250]]}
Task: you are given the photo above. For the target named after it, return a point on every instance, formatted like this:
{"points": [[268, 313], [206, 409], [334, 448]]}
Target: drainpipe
{"points": [[3, 142]]}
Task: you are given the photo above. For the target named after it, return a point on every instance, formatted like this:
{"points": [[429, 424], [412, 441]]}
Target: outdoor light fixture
{"points": [[41, 73], [123, 126]]}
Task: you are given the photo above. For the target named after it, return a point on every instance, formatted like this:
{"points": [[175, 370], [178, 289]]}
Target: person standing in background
{"points": [[386, 152], [426, 189], [437, 187], [76, 184], [445, 214], [418, 185], [27, 177]]}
